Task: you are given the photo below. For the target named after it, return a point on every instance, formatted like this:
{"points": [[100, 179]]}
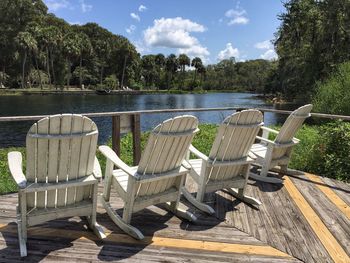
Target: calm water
{"points": [[13, 133]]}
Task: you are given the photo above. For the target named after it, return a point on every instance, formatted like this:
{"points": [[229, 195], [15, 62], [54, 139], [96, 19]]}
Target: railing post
{"points": [[136, 138], [116, 134]]}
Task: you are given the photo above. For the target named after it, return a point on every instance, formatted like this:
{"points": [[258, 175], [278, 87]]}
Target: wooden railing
{"points": [[125, 121]]}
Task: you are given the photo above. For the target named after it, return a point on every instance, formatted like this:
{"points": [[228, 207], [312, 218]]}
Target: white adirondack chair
{"points": [[157, 179], [270, 154], [228, 163], [62, 173]]}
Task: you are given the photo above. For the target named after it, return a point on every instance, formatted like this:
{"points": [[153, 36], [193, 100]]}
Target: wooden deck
{"points": [[306, 220]]}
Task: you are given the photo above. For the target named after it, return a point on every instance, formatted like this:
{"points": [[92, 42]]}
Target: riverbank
{"points": [[316, 153], [77, 91]]}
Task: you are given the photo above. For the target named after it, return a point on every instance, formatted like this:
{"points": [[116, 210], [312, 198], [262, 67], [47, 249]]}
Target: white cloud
{"points": [[130, 29], [75, 23], [237, 16], [269, 55], [176, 33], [142, 8], [172, 33], [135, 16], [85, 7], [196, 51], [228, 52], [55, 5], [264, 45], [238, 21]]}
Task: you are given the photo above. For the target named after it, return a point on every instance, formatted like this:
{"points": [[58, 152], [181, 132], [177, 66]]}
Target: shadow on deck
{"points": [[306, 220]]}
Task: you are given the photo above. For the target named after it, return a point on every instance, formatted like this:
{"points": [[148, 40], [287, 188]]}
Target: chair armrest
{"points": [[186, 164], [269, 129], [199, 154], [279, 145], [295, 140], [266, 140], [113, 157], [97, 172], [15, 165]]}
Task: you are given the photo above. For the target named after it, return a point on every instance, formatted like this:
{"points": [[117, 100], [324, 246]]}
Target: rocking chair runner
{"points": [[61, 176], [157, 179], [228, 163], [270, 154]]}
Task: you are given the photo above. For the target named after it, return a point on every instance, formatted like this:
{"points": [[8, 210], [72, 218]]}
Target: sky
{"points": [[210, 29]]}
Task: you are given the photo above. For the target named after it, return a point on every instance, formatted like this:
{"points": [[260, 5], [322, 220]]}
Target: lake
{"points": [[13, 133]]}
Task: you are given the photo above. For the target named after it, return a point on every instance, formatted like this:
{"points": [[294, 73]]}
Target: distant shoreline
{"points": [[18, 92]]}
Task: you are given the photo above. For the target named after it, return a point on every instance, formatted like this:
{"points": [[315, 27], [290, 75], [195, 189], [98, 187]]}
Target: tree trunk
{"points": [[122, 82], [1, 76], [38, 71], [23, 69], [101, 75], [48, 65], [68, 72], [53, 70], [81, 71]]}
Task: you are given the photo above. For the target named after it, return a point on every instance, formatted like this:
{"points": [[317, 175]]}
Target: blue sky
{"points": [[212, 30]]}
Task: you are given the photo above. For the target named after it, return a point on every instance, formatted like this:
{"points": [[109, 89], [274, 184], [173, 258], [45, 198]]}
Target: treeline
{"points": [[37, 49], [313, 39]]}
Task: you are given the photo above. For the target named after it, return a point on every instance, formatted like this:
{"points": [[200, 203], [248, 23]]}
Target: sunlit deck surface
{"points": [[308, 219]]}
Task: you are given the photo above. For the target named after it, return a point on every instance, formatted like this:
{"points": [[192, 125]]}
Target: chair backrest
{"points": [[293, 123], [166, 149], [60, 148], [290, 127], [233, 141]]}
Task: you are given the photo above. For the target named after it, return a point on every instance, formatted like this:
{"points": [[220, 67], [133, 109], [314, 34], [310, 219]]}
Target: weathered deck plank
{"points": [[278, 232]]}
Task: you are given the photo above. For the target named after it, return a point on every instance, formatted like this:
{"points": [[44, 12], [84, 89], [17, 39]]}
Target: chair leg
{"points": [[22, 232], [241, 196], [94, 226], [182, 213], [127, 228], [200, 205]]}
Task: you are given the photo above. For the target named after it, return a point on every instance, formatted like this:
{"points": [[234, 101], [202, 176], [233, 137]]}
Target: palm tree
{"points": [[171, 66], [184, 61], [27, 44], [85, 48], [71, 51], [160, 62], [50, 37], [196, 63]]}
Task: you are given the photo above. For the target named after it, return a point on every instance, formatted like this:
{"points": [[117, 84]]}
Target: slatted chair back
{"points": [[60, 148], [290, 127], [234, 138], [166, 149]]}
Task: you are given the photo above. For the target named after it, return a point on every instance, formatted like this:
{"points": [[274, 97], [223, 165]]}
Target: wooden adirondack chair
{"points": [[62, 173], [228, 163], [270, 154], [157, 179]]}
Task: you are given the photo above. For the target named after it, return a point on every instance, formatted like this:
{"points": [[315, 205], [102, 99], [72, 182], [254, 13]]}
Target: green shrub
{"points": [[333, 95]]}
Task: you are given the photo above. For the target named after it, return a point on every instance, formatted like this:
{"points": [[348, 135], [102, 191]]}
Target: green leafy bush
{"points": [[333, 95]]}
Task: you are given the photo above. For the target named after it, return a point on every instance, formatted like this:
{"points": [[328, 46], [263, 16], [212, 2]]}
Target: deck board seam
{"points": [[330, 243]]}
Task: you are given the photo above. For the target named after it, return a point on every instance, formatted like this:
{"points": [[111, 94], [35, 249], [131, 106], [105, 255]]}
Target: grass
{"points": [[309, 155]]}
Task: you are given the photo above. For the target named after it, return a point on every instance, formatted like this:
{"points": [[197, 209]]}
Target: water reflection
{"points": [[13, 133]]}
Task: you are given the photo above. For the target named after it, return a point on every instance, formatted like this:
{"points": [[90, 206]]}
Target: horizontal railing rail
{"points": [[119, 113], [132, 122]]}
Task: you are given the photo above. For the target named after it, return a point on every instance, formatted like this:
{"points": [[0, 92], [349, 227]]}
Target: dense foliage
{"points": [[37, 49], [333, 95], [313, 38]]}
